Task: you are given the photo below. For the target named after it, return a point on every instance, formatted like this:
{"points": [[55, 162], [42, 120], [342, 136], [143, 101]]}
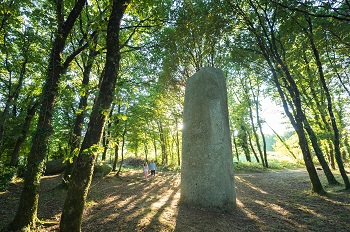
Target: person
{"points": [[152, 166], [145, 170]]}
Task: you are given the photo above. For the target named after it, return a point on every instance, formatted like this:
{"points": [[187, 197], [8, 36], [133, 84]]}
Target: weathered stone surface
{"points": [[207, 178], [54, 167]]}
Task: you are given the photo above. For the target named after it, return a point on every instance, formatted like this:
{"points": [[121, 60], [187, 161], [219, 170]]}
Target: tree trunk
{"points": [[236, 147], [327, 171], [264, 155], [257, 142], [298, 117], [162, 143], [82, 174], [123, 143], [254, 132], [252, 148], [155, 147], [107, 134], [116, 156], [75, 139], [297, 123], [347, 145], [26, 214], [178, 144], [25, 129], [336, 139], [145, 149], [244, 143]]}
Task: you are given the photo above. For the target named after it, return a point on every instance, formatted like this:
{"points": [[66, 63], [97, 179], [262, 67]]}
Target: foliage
{"points": [[288, 51], [6, 177]]}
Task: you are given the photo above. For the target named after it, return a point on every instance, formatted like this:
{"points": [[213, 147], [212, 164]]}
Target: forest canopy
{"points": [[96, 81]]}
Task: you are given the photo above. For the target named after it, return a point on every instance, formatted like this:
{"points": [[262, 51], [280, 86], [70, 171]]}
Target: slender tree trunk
{"points": [[162, 142], [155, 147], [25, 129], [264, 155], [297, 119], [263, 139], [253, 149], [116, 151], [255, 135], [298, 126], [346, 143], [331, 154], [327, 171], [145, 150], [178, 145], [236, 147], [122, 152], [107, 134], [336, 139], [284, 143], [244, 143], [82, 174], [116, 156], [26, 214], [75, 139]]}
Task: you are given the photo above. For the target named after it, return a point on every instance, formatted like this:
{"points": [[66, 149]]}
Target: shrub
{"points": [[6, 177]]}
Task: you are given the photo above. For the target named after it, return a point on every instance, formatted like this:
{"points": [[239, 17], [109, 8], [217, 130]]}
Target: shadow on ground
{"points": [[266, 201]]}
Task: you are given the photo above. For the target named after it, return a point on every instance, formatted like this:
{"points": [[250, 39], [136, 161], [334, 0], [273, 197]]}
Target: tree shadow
{"points": [[135, 204], [200, 219], [282, 201], [267, 201]]}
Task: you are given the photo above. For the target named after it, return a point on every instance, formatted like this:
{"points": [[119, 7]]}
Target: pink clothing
{"points": [[145, 171]]}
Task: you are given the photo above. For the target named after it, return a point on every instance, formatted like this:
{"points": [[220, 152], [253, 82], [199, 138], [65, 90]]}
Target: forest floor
{"points": [[275, 200]]}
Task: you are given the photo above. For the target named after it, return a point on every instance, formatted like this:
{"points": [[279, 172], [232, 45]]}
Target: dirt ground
{"points": [[266, 201]]}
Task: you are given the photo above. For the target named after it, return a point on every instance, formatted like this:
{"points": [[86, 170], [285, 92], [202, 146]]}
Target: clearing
{"points": [[266, 201]]}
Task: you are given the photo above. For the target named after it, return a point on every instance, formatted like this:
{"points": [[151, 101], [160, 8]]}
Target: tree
{"points": [[336, 140], [81, 177], [75, 139], [271, 48], [27, 212]]}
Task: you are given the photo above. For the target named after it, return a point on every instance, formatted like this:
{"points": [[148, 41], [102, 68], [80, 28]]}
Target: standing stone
{"points": [[207, 178]]}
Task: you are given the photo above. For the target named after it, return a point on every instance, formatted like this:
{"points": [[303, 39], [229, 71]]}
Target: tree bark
{"points": [[252, 148], [82, 174], [26, 214], [177, 143], [75, 139], [236, 147], [116, 156], [257, 142], [336, 139], [162, 140], [25, 129], [107, 135], [244, 142], [263, 153], [297, 123], [321, 158], [122, 151]]}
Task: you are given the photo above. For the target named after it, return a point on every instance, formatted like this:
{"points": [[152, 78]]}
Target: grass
{"points": [[275, 162]]}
